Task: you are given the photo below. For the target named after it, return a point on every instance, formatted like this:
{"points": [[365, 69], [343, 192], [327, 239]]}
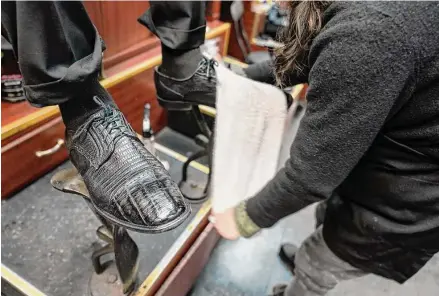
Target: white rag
{"points": [[253, 133]]}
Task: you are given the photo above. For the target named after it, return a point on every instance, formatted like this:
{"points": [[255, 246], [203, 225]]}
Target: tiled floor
{"points": [[251, 267]]}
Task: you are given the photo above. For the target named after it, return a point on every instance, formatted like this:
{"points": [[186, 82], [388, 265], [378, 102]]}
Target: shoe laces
{"points": [[111, 120], [209, 66]]}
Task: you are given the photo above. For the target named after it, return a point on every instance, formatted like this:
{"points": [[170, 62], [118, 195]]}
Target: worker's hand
{"points": [[225, 224]]}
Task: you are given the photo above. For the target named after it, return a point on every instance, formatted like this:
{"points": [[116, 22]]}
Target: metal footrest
{"points": [[116, 277]]}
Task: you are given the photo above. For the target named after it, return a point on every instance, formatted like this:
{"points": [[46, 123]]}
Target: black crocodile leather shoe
{"points": [[181, 94], [127, 184]]}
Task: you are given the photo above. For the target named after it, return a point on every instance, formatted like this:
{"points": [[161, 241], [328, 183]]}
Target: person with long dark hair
{"points": [[368, 144]]}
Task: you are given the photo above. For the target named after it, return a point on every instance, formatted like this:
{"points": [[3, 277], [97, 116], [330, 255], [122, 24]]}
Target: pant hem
{"points": [[79, 76]]}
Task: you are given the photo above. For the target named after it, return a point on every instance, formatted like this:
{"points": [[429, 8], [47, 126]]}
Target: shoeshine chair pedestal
{"points": [[111, 278]]}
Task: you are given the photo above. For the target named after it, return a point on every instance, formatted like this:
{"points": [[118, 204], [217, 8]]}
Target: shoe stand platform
{"points": [[48, 238]]}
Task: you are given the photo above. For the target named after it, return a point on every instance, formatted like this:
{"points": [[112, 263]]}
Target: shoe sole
{"points": [[174, 105], [144, 229]]}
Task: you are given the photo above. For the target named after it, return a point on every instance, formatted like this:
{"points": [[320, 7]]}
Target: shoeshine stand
{"points": [[190, 189], [118, 277], [111, 278], [55, 234]]}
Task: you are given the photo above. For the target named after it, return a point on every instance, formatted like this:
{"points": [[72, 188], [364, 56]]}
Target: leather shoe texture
{"points": [[181, 94], [127, 184]]}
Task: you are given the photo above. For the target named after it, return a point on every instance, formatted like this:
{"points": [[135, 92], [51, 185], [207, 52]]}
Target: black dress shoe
{"points": [[181, 94], [287, 254], [127, 184]]}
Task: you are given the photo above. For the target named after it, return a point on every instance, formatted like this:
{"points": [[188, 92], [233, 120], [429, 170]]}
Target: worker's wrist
{"points": [[246, 226]]}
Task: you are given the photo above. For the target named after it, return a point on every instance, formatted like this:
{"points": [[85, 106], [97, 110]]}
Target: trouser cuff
{"points": [[174, 38], [79, 76]]}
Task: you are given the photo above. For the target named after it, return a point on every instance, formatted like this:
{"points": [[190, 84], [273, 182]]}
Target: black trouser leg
{"points": [[58, 49], [181, 28], [180, 25]]}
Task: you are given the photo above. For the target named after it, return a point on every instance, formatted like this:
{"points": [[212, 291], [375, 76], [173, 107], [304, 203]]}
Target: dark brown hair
{"points": [[304, 23]]}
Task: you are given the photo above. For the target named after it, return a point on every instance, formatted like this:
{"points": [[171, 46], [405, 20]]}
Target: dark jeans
{"points": [[60, 51], [318, 270]]}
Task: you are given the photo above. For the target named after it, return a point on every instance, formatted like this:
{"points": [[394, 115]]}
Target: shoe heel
{"points": [[174, 106]]}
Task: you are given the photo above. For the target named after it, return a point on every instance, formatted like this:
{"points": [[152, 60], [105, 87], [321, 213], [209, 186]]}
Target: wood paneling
{"points": [[217, 30], [132, 95], [131, 51], [126, 38], [14, 111], [20, 164], [117, 23], [213, 10]]}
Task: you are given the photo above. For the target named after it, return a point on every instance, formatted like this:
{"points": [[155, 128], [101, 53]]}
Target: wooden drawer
{"points": [[32, 155]]}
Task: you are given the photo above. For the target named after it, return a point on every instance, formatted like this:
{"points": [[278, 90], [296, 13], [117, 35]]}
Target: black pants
{"points": [[60, 51]]}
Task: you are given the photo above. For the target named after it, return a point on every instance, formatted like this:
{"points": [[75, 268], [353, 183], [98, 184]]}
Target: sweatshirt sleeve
{"points": [[359, 71], [264, 72]]}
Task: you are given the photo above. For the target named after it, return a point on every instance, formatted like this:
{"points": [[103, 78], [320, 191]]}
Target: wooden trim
{"points": [[214, 10], [180, 281], [256, 28], [29, 135], [299, 91], [232, 60], [180, 247], [227, 38], [28, 121], [19, 283], [130, 52], [131, 72], [40, 115], [164, 268], [202, 168]]}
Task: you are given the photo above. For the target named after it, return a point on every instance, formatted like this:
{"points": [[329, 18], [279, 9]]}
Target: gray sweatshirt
{"points": [[369, 141]]}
